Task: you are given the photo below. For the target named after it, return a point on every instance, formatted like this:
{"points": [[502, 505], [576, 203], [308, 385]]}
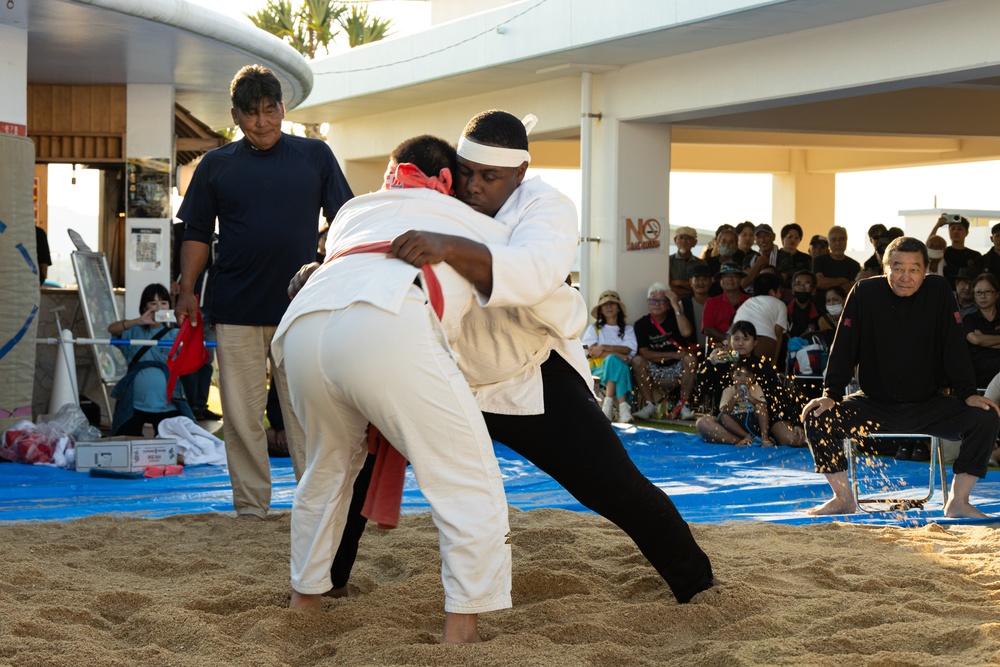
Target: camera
{"points": [[952, 218], [165, 316]]}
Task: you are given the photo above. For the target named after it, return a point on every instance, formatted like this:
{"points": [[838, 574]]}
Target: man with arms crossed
{"points": [[900, 376]]}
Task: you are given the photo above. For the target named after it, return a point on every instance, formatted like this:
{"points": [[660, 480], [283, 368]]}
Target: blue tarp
{"points": [[708, 483]]}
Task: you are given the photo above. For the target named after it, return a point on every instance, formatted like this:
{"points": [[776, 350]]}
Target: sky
{"points": [[702, 200]]}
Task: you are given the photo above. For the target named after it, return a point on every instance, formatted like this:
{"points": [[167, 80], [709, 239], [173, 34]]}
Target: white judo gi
{"points": [[361, 344]]}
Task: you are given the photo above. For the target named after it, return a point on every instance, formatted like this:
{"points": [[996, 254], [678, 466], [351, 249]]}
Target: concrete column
{"points": [[803, 197], [636, 242], [149, 144], [19, 308]]}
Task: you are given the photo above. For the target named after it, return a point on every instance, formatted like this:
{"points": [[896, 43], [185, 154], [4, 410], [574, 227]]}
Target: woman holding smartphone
{"points": [[141, 396]]}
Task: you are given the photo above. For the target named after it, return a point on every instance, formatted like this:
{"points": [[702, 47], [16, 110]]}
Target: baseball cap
{"points": [[819, 239], [699, 270], [686, 231], [730, 267], [762, 228]]}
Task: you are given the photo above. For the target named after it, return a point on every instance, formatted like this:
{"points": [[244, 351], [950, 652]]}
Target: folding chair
{"points": [[896, 504]]}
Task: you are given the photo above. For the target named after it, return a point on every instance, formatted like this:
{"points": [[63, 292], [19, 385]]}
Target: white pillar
{"points": [[149, 151], [641, 235]]}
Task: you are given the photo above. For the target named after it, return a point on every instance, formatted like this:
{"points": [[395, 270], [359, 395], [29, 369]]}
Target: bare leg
{"points": [[640, 369], [958, 504], [711, 430], [689, 368], [611, 389], [460, 629], [305, 601], [843, 498], [787, 436]]}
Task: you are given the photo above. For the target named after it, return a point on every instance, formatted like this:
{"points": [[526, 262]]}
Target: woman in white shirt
{"points": [[610, 345]]}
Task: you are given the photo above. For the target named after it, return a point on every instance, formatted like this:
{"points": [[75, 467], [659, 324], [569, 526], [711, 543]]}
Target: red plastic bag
{"points": [[27, 443]]}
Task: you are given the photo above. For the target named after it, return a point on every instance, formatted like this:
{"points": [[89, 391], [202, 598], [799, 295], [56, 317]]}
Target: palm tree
{"points": [[362, 29], [314, 24]]}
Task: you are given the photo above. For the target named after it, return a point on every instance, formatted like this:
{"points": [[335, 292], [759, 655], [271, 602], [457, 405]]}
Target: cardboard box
{"points": [[125, 454]]}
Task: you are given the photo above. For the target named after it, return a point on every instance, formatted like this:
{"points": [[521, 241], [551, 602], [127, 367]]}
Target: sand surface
{"points": [[206, 589]]}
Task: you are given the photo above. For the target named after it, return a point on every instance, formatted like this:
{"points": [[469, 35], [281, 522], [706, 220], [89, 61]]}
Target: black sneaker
{"points": [[904, 453], [921, 452]]}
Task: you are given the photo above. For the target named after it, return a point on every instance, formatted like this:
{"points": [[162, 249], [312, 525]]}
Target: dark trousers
{"points": [[941, 416], [575, 443], [139, 419], [343, 561], [196, 387]]}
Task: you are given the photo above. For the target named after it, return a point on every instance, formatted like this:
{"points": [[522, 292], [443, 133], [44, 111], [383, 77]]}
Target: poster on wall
{"points": [[148, 193], [643, 233], [146, 248]]}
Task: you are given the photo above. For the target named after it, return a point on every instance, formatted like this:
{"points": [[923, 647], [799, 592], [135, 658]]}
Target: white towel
{"points": [[194, 443]]}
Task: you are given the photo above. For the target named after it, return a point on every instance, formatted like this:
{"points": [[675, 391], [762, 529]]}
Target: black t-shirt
{"points": [[989, 263], [833, 268], [955, 260], [975, 321], [268, 205], [647, 335]]}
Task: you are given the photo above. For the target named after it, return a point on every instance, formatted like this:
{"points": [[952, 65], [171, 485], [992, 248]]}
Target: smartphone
{"points": [[165, 316]]}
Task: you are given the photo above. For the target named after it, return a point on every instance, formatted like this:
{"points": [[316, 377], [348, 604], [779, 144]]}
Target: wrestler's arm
{"points": [[470, 259], [523, 272]]}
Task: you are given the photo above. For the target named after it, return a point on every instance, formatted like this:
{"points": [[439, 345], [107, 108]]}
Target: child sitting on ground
{"points": [[743, 409]]}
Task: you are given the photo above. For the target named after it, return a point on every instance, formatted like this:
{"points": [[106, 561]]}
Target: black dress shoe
{"points": [[904, 453], [208, 415], [920, 453]]}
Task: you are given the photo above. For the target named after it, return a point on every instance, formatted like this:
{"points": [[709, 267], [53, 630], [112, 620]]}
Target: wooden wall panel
{"points": [[77, 123]]}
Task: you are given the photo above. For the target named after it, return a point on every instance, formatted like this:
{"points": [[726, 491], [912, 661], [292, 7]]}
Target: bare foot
{"points": [[834, 505], [305, 601], [461, 629], [745, 442], [341, 592], [962, 509]]}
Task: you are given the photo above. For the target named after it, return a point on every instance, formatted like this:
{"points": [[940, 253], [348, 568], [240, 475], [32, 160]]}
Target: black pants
{"points": [[575, 443], [139, 418], [941, 416]]}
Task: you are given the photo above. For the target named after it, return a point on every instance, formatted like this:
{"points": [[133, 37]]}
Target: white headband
{"points": [[493, 156]]}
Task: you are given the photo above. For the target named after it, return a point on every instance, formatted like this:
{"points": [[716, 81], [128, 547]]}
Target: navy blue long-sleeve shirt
{"points": [[905, 348], [268, 204]]}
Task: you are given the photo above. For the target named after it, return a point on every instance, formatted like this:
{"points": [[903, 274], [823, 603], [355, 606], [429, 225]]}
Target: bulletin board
{"points": [[97, 298]]}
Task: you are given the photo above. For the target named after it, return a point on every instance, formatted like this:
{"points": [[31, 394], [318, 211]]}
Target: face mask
{"points": [[935, 254], [726, 250], [802, 297], [834, 308]]}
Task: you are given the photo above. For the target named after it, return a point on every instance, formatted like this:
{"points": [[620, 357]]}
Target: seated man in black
{"points": [[900, 378]]}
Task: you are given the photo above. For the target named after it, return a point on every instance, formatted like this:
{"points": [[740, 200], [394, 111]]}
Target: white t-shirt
{"points": [[610, 334], [764, 312]]}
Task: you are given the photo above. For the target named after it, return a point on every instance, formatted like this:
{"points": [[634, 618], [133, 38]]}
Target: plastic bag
{"points": [[24, 442], [51, 440], [70, 420]]}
